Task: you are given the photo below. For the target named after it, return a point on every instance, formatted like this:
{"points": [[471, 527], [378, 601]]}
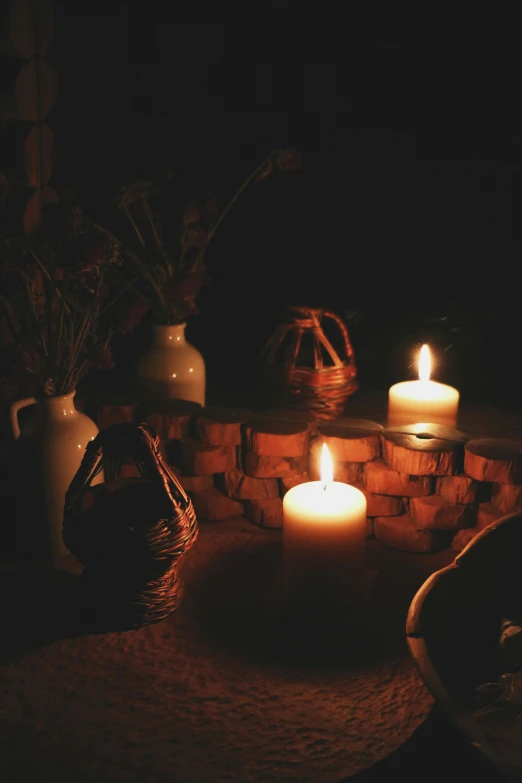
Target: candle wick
{"points": [[325, 485]]}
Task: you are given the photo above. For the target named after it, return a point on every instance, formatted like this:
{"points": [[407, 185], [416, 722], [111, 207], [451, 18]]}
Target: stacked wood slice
{"points": [[496, 465], [276, 458], [427, 487], [458, 486], [209, 459], [353, 444], [233, 462]]}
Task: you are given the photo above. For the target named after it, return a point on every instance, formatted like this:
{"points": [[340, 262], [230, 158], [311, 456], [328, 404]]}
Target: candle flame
{"points": [[424, 364], [326, 466]]}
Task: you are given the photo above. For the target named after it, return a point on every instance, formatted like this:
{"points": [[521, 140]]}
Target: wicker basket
{"points": [[320, 383], [129, 534]]}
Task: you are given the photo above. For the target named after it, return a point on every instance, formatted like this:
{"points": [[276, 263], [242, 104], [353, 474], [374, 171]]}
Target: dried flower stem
{"points": [[151, 221], [41, 338], [233, 200], [238, 193], [135, 227], [8, 314], [159, 243], [172, 280], [46, 274], [115, 239]]}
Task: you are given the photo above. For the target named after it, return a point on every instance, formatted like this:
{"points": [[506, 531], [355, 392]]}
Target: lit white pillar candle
{"points": [[324, 543], [413, 402]]}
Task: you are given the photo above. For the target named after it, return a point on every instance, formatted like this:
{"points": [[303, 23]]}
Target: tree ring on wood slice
{"points": [[429, 431], [172, 419], [290, 414], [425, 439], [200, 459], [221, 426], [353, 424], [350, 440], [498, 460], [274, 467], [407, 453], [277, 437]]}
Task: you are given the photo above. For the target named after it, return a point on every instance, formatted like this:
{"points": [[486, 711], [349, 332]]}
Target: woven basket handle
{"points": [[302, 319], [139, 441], [344, 332]]}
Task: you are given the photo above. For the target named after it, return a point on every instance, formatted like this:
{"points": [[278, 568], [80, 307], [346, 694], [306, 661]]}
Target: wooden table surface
{"points": [[221, 690]]}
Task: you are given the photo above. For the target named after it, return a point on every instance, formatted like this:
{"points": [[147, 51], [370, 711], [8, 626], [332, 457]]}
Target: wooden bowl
{"points": [[453, 632]]}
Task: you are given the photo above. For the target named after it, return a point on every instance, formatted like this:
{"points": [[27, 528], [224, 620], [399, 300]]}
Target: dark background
{"points": [[405, 219]]}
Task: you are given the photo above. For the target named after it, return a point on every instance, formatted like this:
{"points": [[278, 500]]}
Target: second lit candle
{"points": [[423, 401]]}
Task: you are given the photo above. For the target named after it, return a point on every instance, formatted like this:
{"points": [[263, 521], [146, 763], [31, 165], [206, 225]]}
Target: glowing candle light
{"points": [[413, 402]]}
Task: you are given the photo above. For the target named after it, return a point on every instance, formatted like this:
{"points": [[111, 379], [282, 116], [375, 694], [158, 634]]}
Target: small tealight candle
{"points": [[324, 542], [413, 402]]}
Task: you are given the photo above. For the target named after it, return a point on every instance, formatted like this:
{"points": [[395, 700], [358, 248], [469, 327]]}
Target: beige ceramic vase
{"points": [[172, 367], [49, 447]]}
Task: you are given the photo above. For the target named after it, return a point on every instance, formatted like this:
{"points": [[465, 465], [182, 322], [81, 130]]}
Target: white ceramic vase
{"points": [[172, 367], [48, 450]]}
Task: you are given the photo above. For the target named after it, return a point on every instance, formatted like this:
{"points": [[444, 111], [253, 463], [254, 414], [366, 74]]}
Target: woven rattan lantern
{"points": [[302, 369], [129, 534]]}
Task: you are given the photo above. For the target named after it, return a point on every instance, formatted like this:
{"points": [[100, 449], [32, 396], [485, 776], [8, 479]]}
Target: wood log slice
{"points": [[172, 419], [381, 505], [213, 506], [289, 414], [462, 538], [507, 497], [201, 460], [347, 472], [494, 459], [433, 513], [420, 454], [221, 426], [259, 466], [346, 423], [239, 486], [430, 430], [378, 477], [402, 533], [292, 481], [266, 512], [349, 444], [196, 483], [487, 514], [107, 415], [277, 437], [458, 489]]}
